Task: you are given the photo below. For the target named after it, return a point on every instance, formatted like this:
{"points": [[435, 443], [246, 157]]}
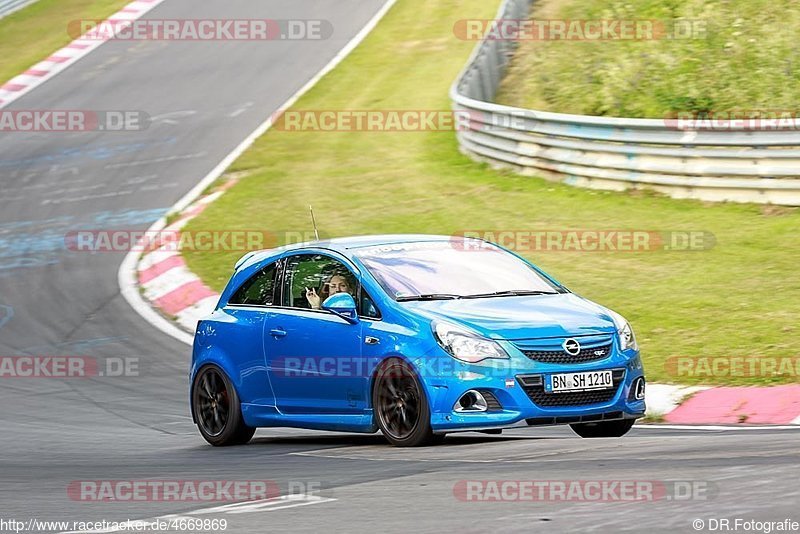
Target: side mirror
{"points": [[343, 305]]}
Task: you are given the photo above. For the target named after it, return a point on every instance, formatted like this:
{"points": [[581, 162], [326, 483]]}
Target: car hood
{"points": [[523, 317]]}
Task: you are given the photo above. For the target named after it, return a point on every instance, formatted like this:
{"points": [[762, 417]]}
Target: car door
{"points": [[248, 310], [314, 356]]}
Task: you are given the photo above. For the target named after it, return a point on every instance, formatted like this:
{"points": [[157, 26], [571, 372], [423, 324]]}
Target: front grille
{"points": [[534, 388], [587, 354]]}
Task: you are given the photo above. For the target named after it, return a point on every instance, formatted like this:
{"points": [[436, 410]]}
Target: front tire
{"points": [[401, 407], [607, 429], [217, 410]]}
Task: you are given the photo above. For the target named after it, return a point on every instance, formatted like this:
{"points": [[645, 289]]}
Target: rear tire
{"points": [[401, 406], [607, 429], [217, 410]]}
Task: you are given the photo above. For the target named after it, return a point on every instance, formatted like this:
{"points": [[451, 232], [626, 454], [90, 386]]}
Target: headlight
{"points": [[464, 345], [626, 338]]}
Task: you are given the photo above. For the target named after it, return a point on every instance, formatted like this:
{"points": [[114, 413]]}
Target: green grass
{"points": [[653, 418], [740, 298], [33, 33], [748, 60]]}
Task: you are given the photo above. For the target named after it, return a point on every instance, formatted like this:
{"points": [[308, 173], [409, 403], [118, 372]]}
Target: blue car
{"points": [[413, 335]]}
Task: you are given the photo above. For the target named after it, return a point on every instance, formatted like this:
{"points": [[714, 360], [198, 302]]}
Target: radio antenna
{"points": [[313, 222]]}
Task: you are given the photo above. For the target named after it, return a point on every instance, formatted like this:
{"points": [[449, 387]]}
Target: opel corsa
{"points": [[413, 335]]}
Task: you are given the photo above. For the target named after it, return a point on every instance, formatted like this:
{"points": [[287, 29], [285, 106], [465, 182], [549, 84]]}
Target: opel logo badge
{"points": [[571, 347]]}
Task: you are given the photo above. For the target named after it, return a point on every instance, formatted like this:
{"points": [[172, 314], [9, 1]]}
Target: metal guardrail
{"points": [[9, 6], [618, 153]]}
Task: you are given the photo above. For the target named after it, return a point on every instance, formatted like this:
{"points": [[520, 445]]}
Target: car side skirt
{"points": [[257, 415]]}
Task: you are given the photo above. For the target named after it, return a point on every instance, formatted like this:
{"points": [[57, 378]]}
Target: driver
{"points": [[336, 283]]}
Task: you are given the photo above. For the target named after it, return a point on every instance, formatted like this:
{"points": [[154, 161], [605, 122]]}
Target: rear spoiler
{"points": [[245, 258]]}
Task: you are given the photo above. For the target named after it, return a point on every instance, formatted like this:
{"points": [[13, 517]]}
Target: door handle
{"points": [[277, 332], [369, 340]]}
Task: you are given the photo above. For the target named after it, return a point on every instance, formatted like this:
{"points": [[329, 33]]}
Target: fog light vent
{"points": [[638, 388], [471, 401]]}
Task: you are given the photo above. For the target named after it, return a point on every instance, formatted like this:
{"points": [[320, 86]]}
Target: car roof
{"points": [[343, 245], [377, 240]]}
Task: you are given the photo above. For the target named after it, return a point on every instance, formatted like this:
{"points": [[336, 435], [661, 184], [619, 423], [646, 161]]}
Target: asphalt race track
{"points": [[204, 98]]}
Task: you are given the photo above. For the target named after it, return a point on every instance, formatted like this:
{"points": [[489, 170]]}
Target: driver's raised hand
{"points": [[313, 298]]}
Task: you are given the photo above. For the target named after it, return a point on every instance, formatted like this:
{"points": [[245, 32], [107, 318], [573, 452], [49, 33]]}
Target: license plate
{"points": [[580, 381]]}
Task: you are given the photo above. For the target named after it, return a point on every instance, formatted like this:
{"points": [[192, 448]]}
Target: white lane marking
{"points": [[262, 505], [47, 185], [69, 55], [284, 507], [126, 276], [241, 110], [266, 505], [84, 198], [137, 180], [159, 186], [154, 160], [172, 117]]}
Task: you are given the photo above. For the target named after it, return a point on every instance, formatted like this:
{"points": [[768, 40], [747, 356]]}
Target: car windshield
{"points": [[451, 269]]}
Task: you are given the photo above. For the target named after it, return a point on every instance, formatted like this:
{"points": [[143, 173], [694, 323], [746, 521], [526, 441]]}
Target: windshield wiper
{"points": [[510, 293], [429, 296]]}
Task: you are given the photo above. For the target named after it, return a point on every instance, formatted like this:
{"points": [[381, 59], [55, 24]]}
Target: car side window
{"points": [[259, 289], [309, 279]]}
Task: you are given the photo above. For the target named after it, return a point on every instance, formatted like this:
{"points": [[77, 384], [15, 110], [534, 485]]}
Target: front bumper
{"points": [[522, 400]]}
